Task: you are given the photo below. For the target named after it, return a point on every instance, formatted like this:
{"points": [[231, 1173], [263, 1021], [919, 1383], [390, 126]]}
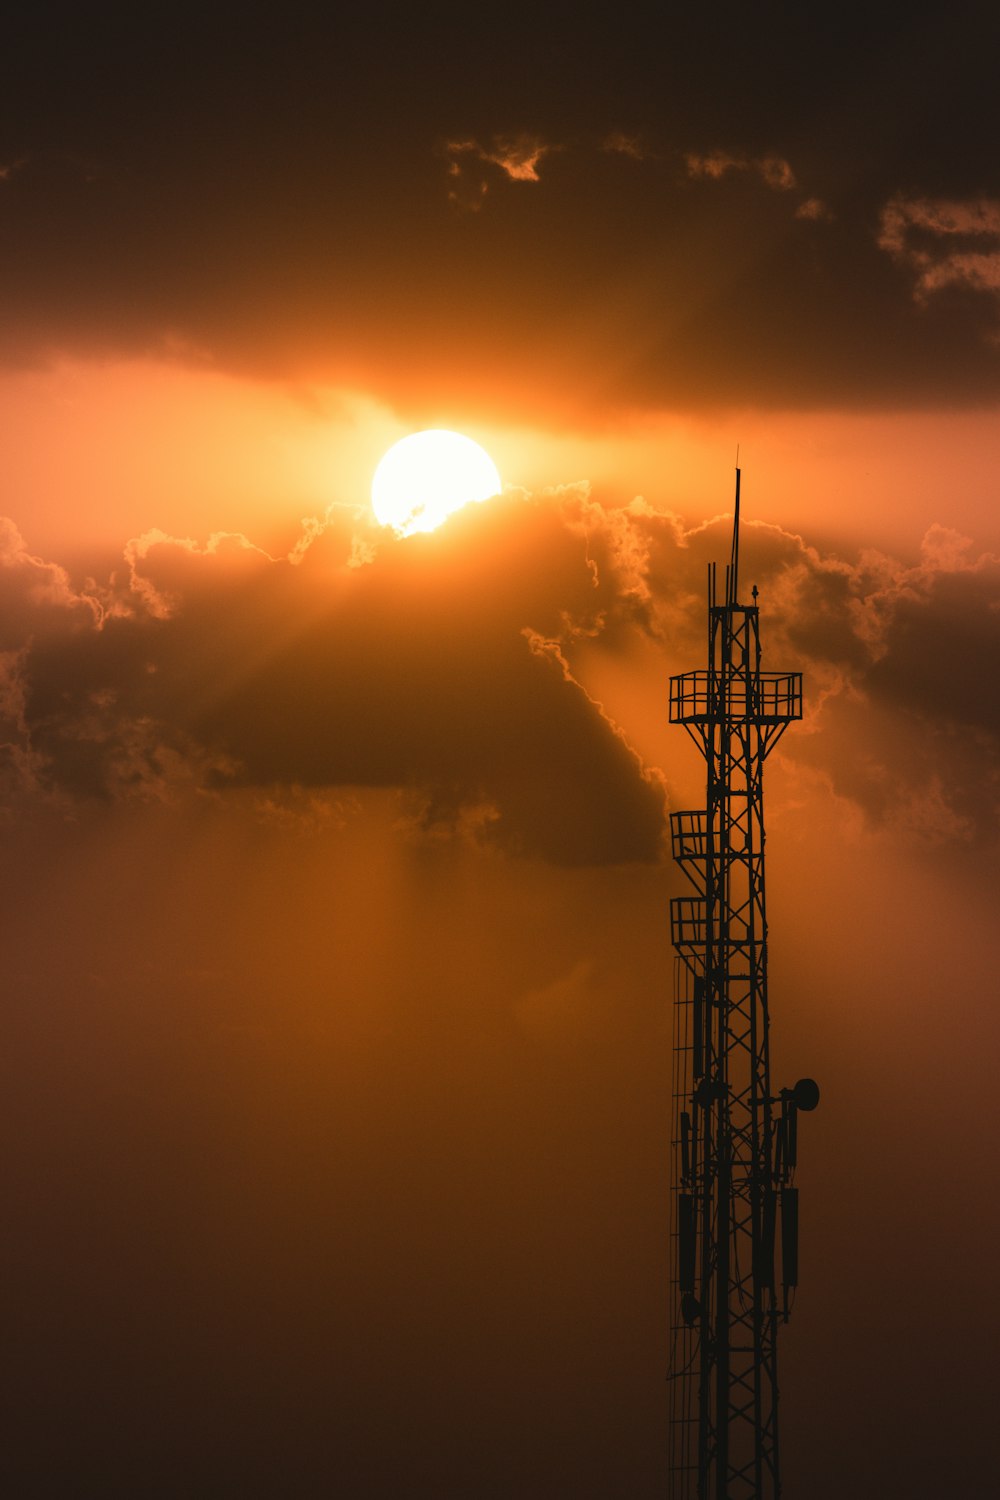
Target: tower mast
{"points": [[734, 1145]]}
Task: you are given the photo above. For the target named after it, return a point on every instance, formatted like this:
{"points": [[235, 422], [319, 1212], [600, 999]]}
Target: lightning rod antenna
{"points": [[734, 556]]}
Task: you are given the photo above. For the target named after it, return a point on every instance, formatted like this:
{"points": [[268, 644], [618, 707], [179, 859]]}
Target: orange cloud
{"points": [[456, 668], [221, 666], [944, 242], [625, 143], [813, 208], [517, 158], [775, 171]]}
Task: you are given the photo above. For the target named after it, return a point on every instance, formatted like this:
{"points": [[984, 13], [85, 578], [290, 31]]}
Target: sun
{"points": [[426, 476]]}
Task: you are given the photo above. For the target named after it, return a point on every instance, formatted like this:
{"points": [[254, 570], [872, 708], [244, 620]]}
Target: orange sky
{"points": [[97, 452], [333, 887]]}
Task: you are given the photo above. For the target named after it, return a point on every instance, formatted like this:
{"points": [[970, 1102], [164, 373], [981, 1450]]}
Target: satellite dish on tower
{"points": [[806, 1094]]}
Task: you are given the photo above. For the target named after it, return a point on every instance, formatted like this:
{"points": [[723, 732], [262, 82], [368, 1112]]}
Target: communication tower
{"points": [[734, 1143]]}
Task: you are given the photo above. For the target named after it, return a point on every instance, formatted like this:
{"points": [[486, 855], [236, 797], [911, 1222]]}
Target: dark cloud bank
{"points": [[664, 210], [450, 667]]}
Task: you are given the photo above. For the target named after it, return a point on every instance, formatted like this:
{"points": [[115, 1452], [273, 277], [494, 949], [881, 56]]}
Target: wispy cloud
{"points": [[626, 143], [517, 158], [474, 166], [775, 171], [944, 242], [813, 208]]}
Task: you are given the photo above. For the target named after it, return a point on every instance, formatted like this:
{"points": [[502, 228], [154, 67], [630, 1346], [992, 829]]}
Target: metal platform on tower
{"points": [[734, 1235]]}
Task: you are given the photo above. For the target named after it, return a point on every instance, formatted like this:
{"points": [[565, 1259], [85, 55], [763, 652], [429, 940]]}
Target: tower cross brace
{"points": [[734, 1144]]}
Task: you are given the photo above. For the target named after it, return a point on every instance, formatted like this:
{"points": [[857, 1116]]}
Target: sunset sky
{"points": [[336, 1038]]}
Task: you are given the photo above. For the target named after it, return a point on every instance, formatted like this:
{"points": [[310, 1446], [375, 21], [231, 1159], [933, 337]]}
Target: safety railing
{"points": [[764, 698]]}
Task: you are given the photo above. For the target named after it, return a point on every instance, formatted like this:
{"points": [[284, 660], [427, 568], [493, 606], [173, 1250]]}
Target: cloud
{"points": [[432, 670], [516, 157], [473, 166], [452, 669], [775, 171], [897, 657], [944, 243], [41, 589], [626, 143], [38, 604], [813, 208], [359, 264]]}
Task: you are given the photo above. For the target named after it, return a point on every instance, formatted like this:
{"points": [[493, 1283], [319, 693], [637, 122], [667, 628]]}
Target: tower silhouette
{"points": [[734, 1144]]}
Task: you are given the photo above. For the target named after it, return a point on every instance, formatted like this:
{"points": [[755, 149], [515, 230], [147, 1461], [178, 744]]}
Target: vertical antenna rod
{"points": [[734, 1143], [734, 556]]}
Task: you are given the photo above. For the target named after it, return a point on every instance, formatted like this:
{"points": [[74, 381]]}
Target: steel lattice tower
{"points": [[734, 1144]]}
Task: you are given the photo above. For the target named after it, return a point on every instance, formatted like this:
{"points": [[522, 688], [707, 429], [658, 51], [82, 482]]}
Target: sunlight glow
{"points": [[426, 476]]}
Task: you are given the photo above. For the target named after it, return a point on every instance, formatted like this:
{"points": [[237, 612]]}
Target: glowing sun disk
{"points": [[426, 476]]}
